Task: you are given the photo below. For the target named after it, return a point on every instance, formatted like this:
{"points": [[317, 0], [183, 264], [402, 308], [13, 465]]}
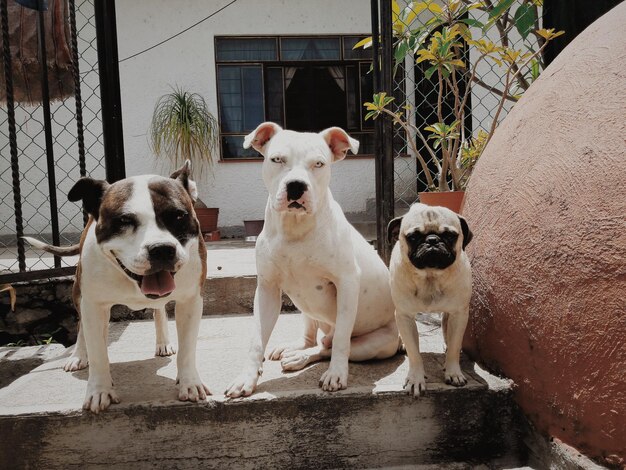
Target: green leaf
{"points": [[500, 8], [371, 114], [400, 51], [430, 71], [525, 19], [534, 69], [472, 22]]}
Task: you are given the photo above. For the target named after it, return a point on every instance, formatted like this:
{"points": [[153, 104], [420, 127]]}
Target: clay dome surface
{"points": [[547, 205]]}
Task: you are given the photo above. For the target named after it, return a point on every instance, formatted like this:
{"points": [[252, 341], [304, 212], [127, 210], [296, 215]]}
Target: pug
{"points": [[430, 272]]}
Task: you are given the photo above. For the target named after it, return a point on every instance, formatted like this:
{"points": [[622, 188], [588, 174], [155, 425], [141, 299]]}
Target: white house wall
{"points": [[189, 61]]}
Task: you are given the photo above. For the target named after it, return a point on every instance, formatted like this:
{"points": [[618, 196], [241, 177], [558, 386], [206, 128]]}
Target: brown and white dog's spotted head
{"points": [[144, 225]]}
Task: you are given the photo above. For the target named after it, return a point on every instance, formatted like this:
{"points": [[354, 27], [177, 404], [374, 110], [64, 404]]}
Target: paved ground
{"points": [[141, 378]]}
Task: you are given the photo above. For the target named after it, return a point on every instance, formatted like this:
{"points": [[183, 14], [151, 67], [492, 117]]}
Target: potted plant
{"points": [[442, 44], [253, 228], [183, 128]]}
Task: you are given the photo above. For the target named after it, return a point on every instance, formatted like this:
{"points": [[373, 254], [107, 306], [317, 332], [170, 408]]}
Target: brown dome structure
{"points": [[547, 205]]}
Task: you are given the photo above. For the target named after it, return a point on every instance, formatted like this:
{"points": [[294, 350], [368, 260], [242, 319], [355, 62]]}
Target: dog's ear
{"points": [[259, 137], [467, 233], [90, 191], [339, 142], [393, 230], [183, 174]]}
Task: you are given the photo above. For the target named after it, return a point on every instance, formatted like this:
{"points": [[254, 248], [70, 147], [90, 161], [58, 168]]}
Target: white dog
{"points": [[141, 247], [430, 272], [309, 250]]}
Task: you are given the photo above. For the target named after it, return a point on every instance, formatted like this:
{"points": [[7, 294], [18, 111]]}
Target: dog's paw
{"points": [[191, 388], [165, 349], [243, 386], [75, 363], [99, 397], [335, 378], [279, 351], [454, 375], [415, 383], [294, 360]]}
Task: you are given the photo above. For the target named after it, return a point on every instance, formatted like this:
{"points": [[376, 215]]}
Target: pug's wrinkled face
{"points": [[431, 237]]}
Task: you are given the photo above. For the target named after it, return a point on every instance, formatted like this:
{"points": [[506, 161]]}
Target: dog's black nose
{"points": [[432, 239], [295, 190], [162, 252]]}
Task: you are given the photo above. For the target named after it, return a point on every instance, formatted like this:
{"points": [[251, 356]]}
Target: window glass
{"points": [[366, 142], [232, 147], [360, 53], [274, 95], [245, 49], [297, 91], [367, 92], [241, 97], [352, 97], [315, 97], [310, 48]]}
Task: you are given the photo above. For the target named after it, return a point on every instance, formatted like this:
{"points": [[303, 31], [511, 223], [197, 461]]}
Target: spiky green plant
{"points": [[183, 128]]}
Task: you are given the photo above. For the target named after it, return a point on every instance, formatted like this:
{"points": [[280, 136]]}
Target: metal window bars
{"points": [[45, 147]]}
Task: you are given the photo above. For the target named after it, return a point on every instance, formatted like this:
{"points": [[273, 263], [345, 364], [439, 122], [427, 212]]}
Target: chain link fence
{"points": [[76, 125], [430, 98]]}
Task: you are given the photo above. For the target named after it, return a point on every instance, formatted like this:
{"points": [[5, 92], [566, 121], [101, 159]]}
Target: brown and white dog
{"points": [[142, 247]]}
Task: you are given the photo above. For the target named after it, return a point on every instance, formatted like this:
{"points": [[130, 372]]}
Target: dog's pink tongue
{"points": [[160, 283]]}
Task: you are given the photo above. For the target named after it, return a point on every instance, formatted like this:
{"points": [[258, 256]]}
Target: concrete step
{"points": [[288, 423]]}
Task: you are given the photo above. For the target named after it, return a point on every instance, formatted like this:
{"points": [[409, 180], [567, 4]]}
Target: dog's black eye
{"points": [[126, 221], [414, 237], [319, 164], [449, 237], [177, 215], [278, 160]]}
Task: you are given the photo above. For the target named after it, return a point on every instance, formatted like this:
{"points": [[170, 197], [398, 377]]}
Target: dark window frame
{"points": [[282, 64]]}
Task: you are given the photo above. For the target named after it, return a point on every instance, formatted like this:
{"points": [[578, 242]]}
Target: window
{"points": [[301, 83]]}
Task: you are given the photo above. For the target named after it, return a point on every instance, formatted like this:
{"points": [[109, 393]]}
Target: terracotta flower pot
{"points": [[207, 216], [253, 227], [453, 200]]}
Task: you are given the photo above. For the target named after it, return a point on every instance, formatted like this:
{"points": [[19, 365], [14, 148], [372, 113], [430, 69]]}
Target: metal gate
{"points": [[57, 124]]}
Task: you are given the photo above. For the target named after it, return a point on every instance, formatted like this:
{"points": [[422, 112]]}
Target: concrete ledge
{"points": [[289, 423], [554, 453], [347, 430]]}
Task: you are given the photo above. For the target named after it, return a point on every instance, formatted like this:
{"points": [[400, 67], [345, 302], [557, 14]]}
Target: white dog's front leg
{"points": [[163, 345], [267, 303], [336, 377], [78, 359], [94, 323], [415, 383], [188, 315], [455, 329]]}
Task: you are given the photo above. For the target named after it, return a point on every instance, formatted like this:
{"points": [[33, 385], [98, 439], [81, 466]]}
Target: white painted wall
{"points": [[188, 61]]}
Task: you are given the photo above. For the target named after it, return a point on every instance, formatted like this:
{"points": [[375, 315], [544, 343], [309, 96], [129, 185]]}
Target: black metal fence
{"points": [[49, 142]]}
